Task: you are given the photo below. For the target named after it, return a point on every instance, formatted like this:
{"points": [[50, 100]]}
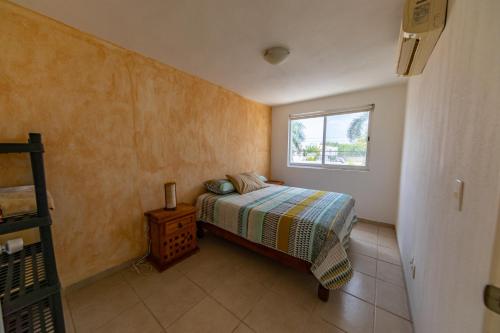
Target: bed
{"points": [[306, 229]]}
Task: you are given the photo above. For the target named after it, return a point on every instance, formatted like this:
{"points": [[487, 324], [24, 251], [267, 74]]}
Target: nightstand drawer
{"points": [[176, 225]]}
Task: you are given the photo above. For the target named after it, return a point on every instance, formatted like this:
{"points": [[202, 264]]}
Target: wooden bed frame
{"points": [[285, 259]]}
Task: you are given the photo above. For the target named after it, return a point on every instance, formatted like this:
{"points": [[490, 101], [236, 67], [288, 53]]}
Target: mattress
{"points": [[307, 224]]}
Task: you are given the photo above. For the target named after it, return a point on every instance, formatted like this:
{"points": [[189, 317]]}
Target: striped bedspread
{"points": [[307, 224]]}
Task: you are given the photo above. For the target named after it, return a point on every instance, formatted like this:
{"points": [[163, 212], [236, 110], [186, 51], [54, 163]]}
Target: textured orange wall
{"points": [[116, 127]]}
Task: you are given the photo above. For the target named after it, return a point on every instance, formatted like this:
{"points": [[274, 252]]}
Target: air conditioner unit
{"points": [[423, 22]]}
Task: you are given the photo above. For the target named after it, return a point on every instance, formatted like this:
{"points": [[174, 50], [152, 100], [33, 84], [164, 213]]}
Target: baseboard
{"points": [[379, 224], [88, 281]]}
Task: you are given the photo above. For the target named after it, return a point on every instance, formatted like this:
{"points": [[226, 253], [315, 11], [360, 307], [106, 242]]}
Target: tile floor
{"points": [[225, 288]]}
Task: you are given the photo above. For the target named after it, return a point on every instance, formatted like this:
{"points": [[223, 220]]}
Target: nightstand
{"points": [[276, 182], [173, 235]]}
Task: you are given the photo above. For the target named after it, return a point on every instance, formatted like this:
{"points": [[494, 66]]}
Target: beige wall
{"points": [[452, 131], [375, 190], [116, 126]]}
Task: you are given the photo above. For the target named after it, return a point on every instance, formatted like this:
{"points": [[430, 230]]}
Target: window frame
{"points": [[317, 114]]}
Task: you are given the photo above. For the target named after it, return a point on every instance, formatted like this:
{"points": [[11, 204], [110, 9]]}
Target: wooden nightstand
{"points": [[173, 235], [276, 182]]}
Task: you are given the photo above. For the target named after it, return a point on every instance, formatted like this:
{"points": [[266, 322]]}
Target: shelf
{"points": [[23, 279], [29, 287], [21, 222], [6, 148], [37, 317]]}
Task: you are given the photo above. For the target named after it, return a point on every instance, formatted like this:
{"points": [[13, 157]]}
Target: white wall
{"points": [[453, 131], [376, 190]]}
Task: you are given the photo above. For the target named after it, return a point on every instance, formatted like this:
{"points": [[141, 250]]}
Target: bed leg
{"points": [[323, 293], [200, 233]]}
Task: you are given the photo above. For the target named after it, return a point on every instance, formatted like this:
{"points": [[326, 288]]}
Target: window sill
{"points": [[327, 167]]}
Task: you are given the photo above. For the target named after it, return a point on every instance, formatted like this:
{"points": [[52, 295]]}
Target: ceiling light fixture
{"points": [[276, 55]]}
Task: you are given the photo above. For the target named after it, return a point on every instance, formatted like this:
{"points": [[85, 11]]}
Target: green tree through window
{"points": [[355, 130], [298, 135]]}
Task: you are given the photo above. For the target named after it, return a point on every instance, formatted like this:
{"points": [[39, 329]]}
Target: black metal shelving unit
{"points": [[29, 285]]}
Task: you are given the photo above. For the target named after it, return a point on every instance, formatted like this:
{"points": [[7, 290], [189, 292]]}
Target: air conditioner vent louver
{"points": [[423, 22], [410, 46]]}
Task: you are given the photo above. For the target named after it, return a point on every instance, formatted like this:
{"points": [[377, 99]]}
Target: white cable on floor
{"points": [[142, 262]]}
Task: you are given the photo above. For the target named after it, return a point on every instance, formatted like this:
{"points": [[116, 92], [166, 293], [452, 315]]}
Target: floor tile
{"points": [[297, 287], [135, 319], [207, 316], [274, 313], [392, 298], [242, 328], [390, 255], [363, 264], [260, 269], [319, 325], [361, 247], [213, 251], [364, 235], [173, 300], [210, 290], [386, 232], [386, 322], [211, 271], [388, 242], [368, 227], [362, 286], [239, 294], [191, 261], [347, 313], [94, 305], [390, 273], [148, 282]]}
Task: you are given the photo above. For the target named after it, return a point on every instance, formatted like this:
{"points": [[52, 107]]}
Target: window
{"points": [[334, 139]]}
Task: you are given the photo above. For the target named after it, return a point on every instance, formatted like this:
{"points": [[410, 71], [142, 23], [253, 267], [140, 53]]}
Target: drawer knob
{"points": [[179, 225]]}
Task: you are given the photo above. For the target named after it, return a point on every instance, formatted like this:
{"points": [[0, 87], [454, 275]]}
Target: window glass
{"points": [[347, 139], [306, 140], [342, 137]]}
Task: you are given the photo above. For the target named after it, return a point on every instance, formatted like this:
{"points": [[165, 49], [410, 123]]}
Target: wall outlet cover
{"points": [[459, 193]]}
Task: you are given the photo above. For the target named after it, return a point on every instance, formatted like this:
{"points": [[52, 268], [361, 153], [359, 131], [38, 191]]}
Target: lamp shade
{"points": [[170, 196]]}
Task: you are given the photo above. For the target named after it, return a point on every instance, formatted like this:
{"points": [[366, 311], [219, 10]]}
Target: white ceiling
{"points": [[336, 45]]}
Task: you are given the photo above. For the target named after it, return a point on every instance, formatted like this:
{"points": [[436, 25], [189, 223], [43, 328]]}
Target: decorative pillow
{"points": [[263, 178], [246, 182], [219, 186]]}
